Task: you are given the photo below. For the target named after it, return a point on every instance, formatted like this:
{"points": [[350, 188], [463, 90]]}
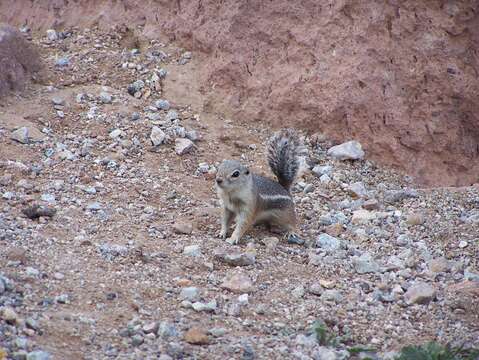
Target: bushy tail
{"points": [[283, 156]]}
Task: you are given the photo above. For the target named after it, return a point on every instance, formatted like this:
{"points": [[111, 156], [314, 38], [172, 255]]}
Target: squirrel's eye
{"points": [[235, 174]]}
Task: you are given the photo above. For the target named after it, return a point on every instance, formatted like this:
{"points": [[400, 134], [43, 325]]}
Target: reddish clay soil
{"points": [[400, 78]]}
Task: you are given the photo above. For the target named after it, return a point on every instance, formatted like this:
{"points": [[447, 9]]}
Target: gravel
{"points": [[110, 248]]}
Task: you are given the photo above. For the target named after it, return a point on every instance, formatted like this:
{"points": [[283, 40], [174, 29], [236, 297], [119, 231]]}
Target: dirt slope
{"points": [[126, 267], [401, 77]]}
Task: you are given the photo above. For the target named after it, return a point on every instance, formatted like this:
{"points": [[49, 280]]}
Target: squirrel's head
{"points": [[232, 175]]}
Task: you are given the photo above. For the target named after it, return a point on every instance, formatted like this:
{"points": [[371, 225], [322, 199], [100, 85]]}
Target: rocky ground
{"points": [[108, 224]]}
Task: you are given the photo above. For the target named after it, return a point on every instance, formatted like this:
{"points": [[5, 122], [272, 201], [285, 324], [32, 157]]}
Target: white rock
{"points": [[358, 189], [52, 35], [325, 179], [351, 150], [189, 293], [363, 216], [328, 242], [243, 299], [192, 250], [116, 133], [157, 136], [183, 146], [322, 170], [105, 97], [26, 134]]}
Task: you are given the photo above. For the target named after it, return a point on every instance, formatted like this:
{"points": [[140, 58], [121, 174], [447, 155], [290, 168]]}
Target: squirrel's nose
{"points": [[219, 181]]}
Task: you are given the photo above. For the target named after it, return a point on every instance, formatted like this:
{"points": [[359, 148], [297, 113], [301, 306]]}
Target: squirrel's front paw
{"points": [[232, 240], [222, 233]]}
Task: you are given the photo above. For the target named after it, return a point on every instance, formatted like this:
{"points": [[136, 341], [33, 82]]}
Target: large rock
{"points": [[365, 264], [420, 293], [328, 242], [235, 258], [351, 150], [238, 283], [26, 135], [196, 336], [19, 59]]}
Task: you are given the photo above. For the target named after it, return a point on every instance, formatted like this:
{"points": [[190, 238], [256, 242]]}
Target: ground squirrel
{"points": [[253, 199]]}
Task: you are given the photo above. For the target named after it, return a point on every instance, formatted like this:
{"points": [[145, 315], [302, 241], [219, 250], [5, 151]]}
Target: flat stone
{"points": [[271, 243], [52, 35], [137, 340], [393, 196], [62, 62], [94, 206], [217, 332], [328, 242], [184, 282], [171, 115], [192, 250], [9, 315], [332, 295], [32, 272], [325, 179], [420, 293], [235, 259], [334, 229], [238, 283], [298, 292], [151, 327], [157, 136], [363, 216], [462, 244], [439, 265], [38, 355], [319, 170], [162, 104], [27, 134], [193, 135], [351, 150], [32, 324], [371, 204], [183, 228], [167, 330], [316, 289], [324, 353], [365, 264], [415, 219], [196, 336], [183, 146], [58, 101], [207, 307], [328, 284], [189, 293], [111, 251], [116, 133], [135, 87], [105, 97], [358, 189], [315, 260], [243, 299]]}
